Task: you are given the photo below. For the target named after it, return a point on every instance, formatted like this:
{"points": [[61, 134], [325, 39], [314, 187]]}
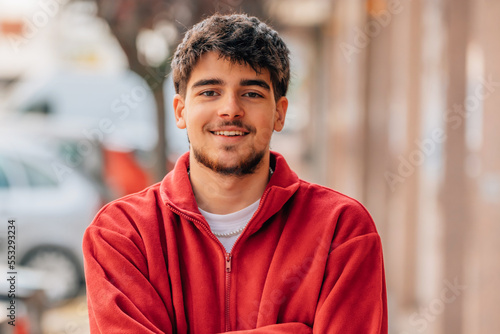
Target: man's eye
{"points": [[252, 94], [209, 93]]}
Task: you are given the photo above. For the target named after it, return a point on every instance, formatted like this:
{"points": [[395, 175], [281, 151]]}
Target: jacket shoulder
{"points": [[129, 211], [348, 214], [329, 196]]}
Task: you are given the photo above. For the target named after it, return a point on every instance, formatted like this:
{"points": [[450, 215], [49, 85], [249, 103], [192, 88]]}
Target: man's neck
{"points": [[223, 194]]}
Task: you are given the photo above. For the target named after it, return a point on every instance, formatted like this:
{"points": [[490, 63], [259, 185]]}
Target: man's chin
{"points": [[225, 165]]}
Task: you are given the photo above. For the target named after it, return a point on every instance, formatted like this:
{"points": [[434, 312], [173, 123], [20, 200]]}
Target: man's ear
{"points": [[179, 111], [281, 108]]}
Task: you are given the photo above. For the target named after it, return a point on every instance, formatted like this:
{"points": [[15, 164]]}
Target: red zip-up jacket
{"points": [[309, 261]]}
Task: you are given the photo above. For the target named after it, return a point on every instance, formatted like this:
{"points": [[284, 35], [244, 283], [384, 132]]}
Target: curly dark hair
{"points": [[240, 39]]}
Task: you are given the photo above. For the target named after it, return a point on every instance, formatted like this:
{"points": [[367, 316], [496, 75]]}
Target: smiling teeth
{"points": [[229, 133]]}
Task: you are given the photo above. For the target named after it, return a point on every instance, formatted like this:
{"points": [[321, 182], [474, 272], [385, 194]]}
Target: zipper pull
{"points": [[228, 262]]}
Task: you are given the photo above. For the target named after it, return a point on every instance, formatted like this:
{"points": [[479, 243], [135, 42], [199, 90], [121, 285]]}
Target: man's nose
{"points": [[231, 107]]}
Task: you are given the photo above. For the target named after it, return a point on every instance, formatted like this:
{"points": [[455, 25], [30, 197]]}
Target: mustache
{"points": [[237, 123]]}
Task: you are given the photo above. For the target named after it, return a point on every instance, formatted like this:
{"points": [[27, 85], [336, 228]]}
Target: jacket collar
{"points": [[176, 190]]}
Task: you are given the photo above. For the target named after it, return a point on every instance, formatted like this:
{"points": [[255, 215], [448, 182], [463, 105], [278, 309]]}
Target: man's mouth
{"points": [[229, 133]]}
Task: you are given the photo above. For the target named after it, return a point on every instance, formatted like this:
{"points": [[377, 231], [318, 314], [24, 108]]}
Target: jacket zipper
{"points": [[228, 271], [227, 263], [228, 256], [228, 289]]}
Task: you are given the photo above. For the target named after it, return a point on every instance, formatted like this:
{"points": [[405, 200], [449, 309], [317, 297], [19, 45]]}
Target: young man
{"points": [[232, 240]]}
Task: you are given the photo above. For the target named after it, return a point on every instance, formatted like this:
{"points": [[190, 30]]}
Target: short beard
{"points": [[245, 167]]}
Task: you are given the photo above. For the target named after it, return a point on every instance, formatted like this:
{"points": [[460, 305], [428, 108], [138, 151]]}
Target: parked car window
{"points": [[13, 171], [37, 178], [4, 182], [3, 179]]}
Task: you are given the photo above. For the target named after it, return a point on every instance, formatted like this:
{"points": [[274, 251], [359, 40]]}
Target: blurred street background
{"points": [[392, 102]]}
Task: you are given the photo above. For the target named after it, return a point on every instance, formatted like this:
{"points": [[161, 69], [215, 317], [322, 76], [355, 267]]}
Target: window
{"points": [[4, 183], [37, 178]]}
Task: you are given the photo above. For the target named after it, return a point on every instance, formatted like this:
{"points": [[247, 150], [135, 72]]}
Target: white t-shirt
{"points": [[229, 223]]}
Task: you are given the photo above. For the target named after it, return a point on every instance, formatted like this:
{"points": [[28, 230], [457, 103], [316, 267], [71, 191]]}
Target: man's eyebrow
{"points": [[208, 82], [255, 82]]}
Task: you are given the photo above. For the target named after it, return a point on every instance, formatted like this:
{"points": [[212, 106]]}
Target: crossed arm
{"points": [[122, 300]]}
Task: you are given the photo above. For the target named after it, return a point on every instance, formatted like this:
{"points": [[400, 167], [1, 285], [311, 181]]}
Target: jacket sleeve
{"points": [[286, 328], [120, 297], [353, 296]]}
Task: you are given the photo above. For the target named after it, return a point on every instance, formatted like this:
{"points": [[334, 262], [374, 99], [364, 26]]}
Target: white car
{"points": [[51, 212]]}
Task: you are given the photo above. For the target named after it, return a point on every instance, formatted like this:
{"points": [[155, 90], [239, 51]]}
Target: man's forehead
{"points": [[212, 65]]}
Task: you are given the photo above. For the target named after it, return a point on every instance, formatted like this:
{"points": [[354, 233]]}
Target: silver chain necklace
{"points": [[238, 231], [229, 234]]}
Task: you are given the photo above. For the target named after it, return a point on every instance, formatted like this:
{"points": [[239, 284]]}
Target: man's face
{"points": [[230, 114]]}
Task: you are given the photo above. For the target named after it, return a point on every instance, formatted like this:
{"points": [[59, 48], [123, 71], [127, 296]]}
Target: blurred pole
{"points": [[126, 20], [455, 191], [393, 69], [320, 148], [485, 263], [161, 128], [413, 132], [375, 125], [345, 99]]}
